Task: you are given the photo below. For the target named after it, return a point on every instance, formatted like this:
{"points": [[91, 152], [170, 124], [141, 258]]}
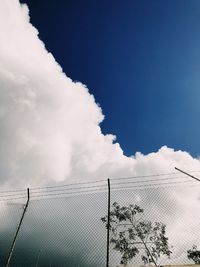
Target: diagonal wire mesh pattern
{"points": [[172, 201], [10, 214], [63, 228], [63, 224]]}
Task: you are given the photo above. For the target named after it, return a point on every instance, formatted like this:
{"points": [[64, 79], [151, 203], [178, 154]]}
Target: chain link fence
{"points": [[63, 225]]}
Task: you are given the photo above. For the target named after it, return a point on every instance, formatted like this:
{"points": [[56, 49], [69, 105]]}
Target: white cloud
{"points": [[50, 126]]}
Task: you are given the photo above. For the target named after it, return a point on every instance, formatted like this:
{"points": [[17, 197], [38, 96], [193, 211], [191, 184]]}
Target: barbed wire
{"points": [[85, 187], [103, 180], [81, 189], [101, 190], [15, 198]]}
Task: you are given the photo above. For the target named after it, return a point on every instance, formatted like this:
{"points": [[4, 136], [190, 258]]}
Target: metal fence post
{"points": [[18, 228], [108, 226], [186, 173]]}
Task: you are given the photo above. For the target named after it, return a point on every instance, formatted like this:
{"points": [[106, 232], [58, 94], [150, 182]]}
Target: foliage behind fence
{"points": [[63, 226]]}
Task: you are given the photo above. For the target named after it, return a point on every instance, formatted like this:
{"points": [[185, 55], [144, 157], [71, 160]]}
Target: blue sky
{"points": [[140, 59]]}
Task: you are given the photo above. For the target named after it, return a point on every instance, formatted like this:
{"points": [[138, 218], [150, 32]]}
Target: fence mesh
{"points": [[63, 226], [176, 207]]}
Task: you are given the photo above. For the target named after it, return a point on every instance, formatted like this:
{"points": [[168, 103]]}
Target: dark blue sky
{"points": [[140, 59]]}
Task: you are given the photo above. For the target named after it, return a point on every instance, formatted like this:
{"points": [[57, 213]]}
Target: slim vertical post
{"points": [[108, 226], [18, 228]]}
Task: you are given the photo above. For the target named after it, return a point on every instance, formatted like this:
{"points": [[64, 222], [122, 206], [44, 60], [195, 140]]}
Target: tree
{"points": [[194, 254], [132, 235]]}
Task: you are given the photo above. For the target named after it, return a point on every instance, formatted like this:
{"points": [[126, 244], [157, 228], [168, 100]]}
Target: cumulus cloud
{"points": [[50, 126]]}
